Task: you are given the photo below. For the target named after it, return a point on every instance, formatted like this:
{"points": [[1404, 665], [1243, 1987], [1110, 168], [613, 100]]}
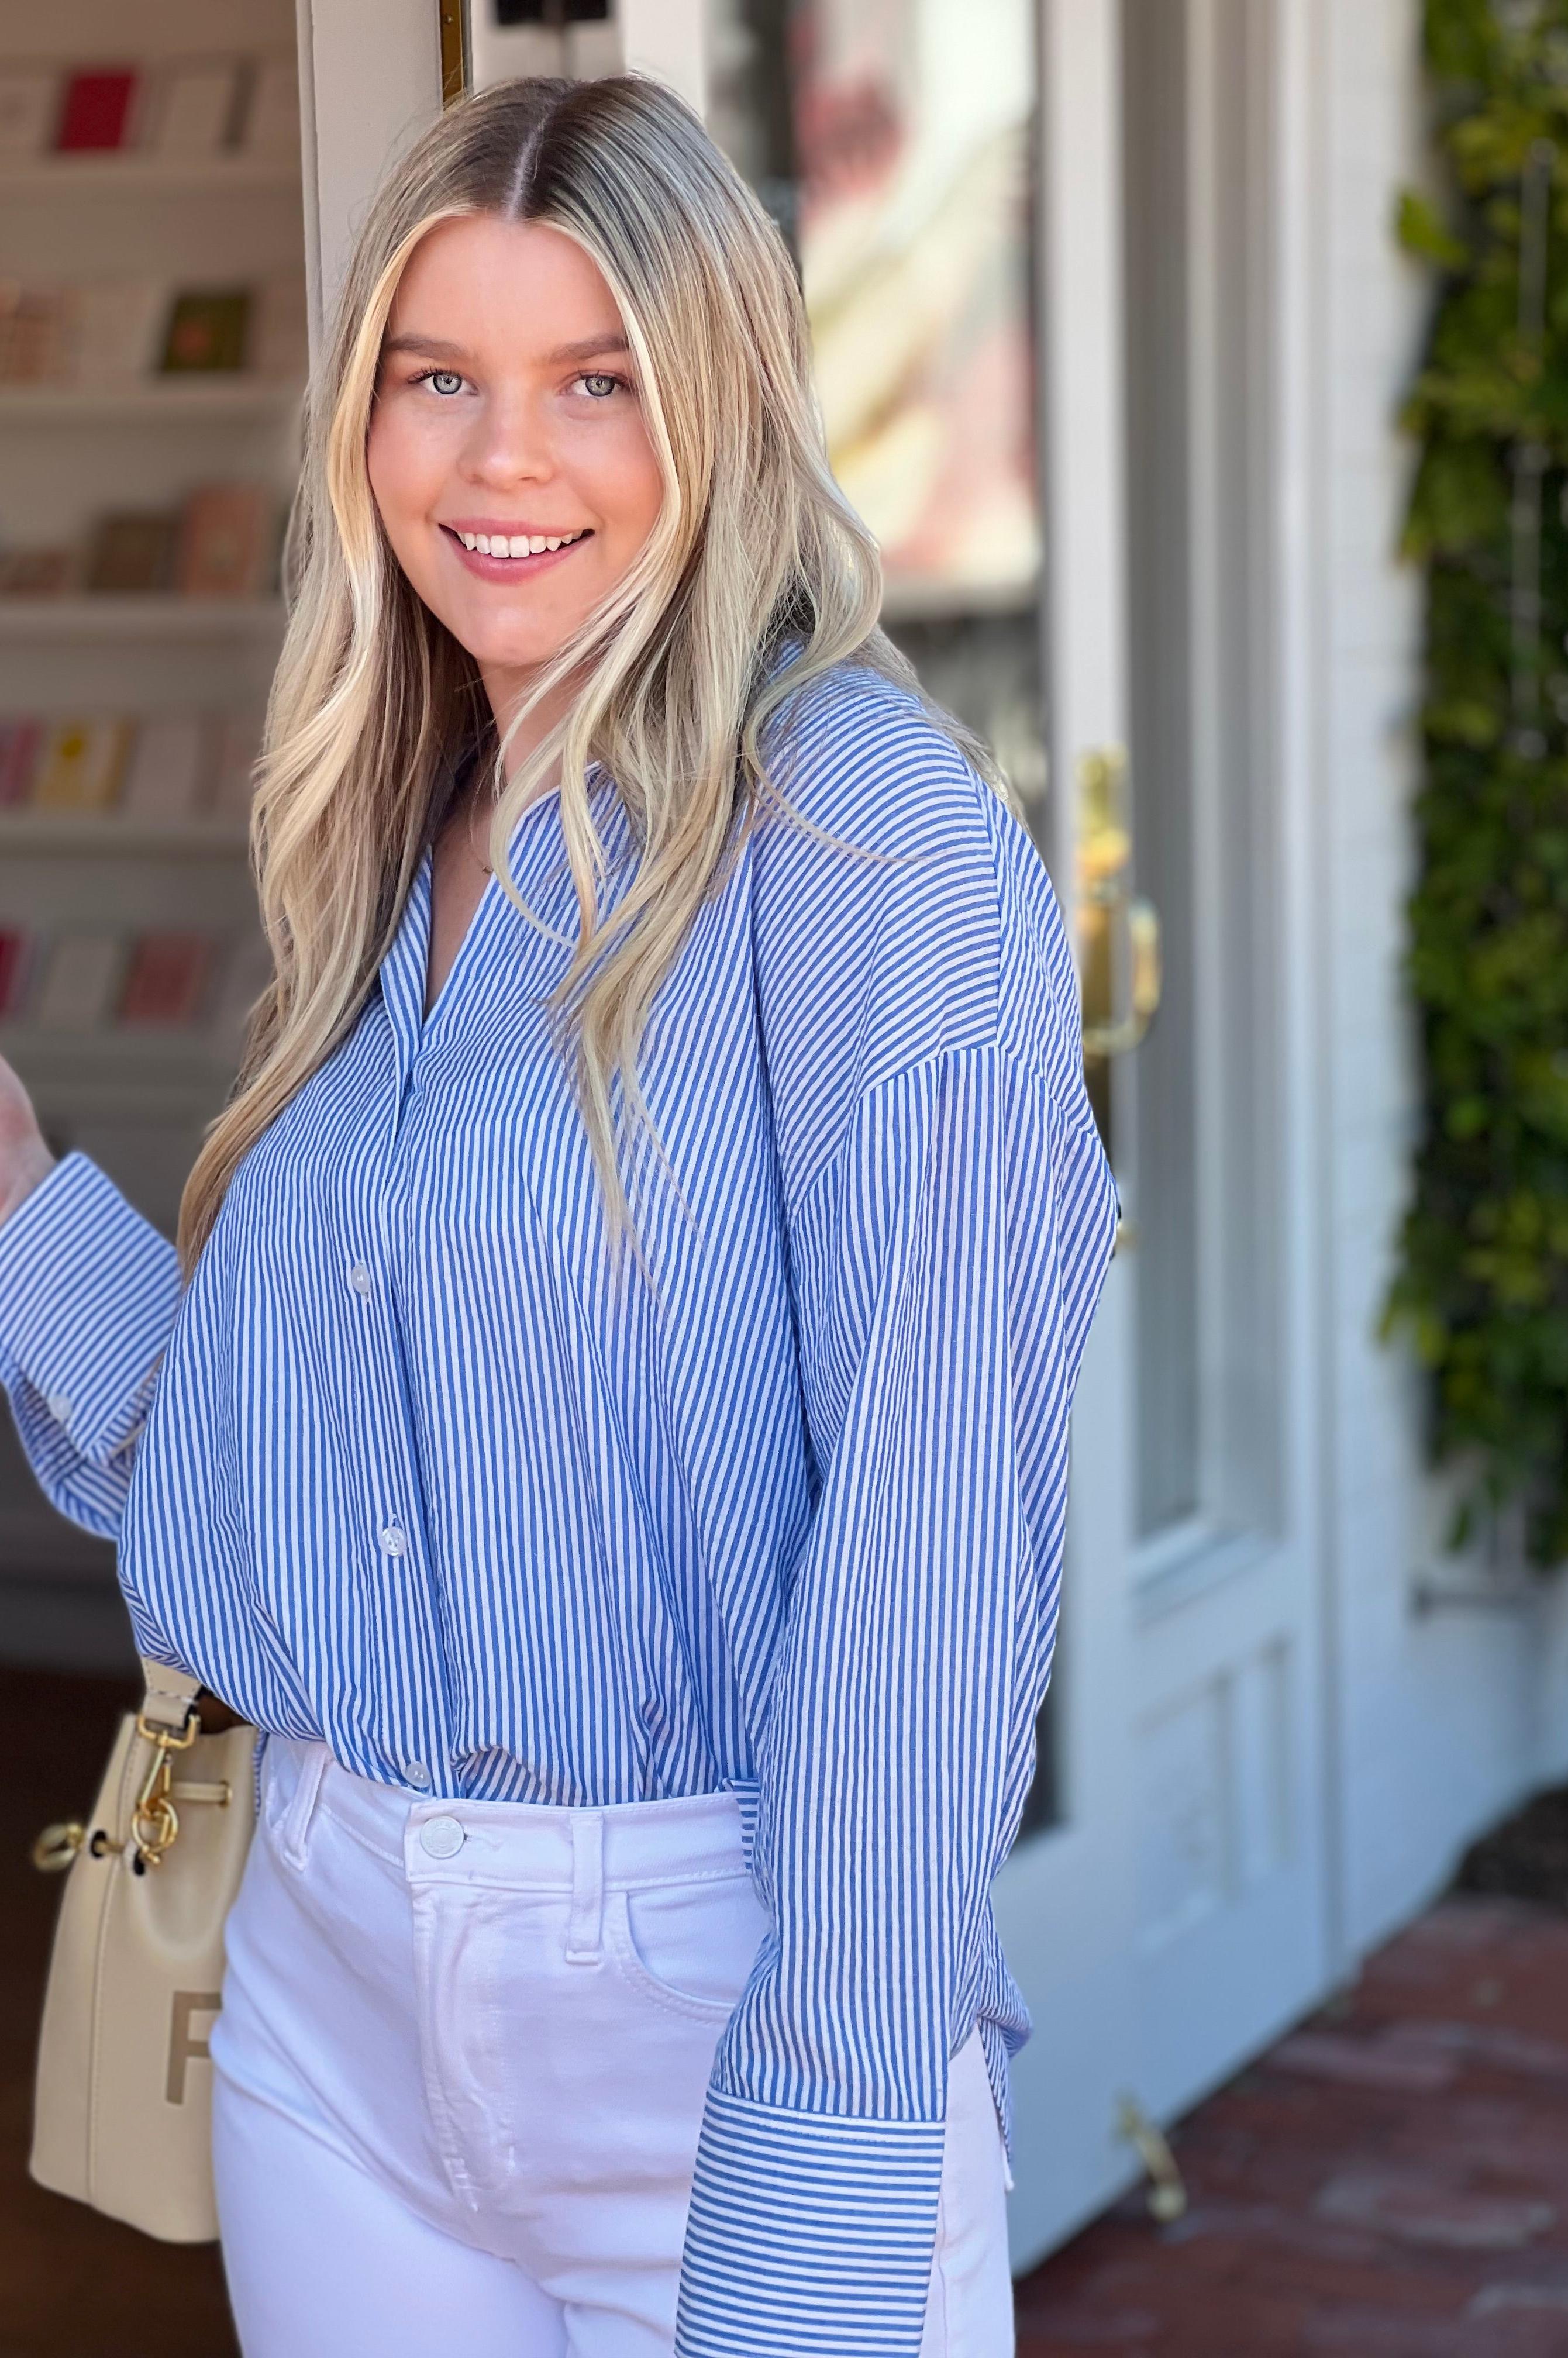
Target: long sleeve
{"points": [[88, 1294], [947, 1262]]}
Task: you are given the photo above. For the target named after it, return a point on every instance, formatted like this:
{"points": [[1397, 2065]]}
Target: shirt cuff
{"points": [[808, 2233], [88, 1294]]}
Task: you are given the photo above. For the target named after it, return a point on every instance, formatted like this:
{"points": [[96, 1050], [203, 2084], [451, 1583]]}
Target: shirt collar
{"points": [[536, 836]]}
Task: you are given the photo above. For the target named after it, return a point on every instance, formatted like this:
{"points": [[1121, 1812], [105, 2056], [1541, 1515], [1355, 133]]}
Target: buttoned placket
{"points": [[419, 1717], [381, 1281]]}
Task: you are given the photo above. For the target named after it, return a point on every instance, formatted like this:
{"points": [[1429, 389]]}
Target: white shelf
{"points": [[127, 173], [35, 620], [101, 831], [170, 402], [174, 1051]]}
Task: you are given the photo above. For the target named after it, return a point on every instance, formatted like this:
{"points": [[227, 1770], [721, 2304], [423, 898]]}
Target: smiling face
{"points": [[507, 450]]}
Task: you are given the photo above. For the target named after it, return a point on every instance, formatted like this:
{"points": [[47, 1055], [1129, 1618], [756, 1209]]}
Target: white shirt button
{"points": [[442, 1837], [59, 1405], [395, 1541], [417, 1774], [361, 1281]]}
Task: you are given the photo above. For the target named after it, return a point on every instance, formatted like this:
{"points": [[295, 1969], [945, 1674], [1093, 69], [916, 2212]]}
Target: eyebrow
{"points": [[411, 340]]}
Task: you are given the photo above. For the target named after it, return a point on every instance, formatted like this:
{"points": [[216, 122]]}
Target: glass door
{"points": [[949, 180]]}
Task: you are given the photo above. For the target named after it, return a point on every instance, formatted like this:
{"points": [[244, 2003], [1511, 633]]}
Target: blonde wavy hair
{"points": [[756, 577]]}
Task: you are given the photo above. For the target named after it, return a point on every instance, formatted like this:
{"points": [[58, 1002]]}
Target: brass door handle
{"points": [[1118, 931], [1140, 920]]}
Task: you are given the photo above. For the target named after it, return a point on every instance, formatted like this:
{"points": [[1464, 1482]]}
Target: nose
{"points": [[508, 443]]}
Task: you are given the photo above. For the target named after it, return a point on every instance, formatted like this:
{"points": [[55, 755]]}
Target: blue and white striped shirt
{"points": [[405, 1469]]}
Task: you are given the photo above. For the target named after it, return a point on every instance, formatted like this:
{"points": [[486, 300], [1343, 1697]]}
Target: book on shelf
{"points": [[37, 572], [236, 745], [111, 332], [97, 111], [17, 954], [93, 332], [279, 340], [32, 332], [111, 329], [21, 743], [169, 768], [82, 765], [165, 978], [226, 541], [207, 331], [246, 971], [133, 549], [78, 976], [165, 766], [194, 107], [90, 978], [30, 100], [270, 126]]}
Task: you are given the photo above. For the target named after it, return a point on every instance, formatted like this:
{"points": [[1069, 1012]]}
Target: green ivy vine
{"points": [[1482, 1280]]}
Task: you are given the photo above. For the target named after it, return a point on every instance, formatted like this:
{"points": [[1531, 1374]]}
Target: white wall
{"points": [[1442, 1721]]}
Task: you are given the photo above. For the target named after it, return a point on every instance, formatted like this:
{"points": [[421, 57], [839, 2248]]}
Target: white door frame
{"points": [[369, 70], [1226, 1713], [370, 83], [1064, 1900]]}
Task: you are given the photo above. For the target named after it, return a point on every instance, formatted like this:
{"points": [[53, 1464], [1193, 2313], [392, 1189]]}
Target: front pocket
{"points": [[689, 1945]]}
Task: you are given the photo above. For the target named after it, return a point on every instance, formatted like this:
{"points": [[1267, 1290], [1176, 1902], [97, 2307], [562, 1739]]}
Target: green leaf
{"points": [[1419, 231], [1479, 1293]]}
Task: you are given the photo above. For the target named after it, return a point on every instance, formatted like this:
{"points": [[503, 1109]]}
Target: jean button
{"points": [[442, 1837]]}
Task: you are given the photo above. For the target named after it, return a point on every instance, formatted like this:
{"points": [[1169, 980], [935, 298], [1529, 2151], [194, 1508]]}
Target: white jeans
{"points": [[459, 2076]]}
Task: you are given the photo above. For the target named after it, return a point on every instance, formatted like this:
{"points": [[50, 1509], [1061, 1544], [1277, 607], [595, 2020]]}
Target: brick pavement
{"points": [[1391, 2181]]}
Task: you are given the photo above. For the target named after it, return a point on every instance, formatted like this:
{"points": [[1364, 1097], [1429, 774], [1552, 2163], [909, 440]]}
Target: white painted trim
{"points": [[1302, 590], [1210, 604], [667, 38], [370, 83]]}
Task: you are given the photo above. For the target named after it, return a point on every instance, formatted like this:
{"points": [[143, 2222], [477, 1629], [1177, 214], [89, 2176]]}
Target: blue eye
{"points": [[445, 381], [601, 384]]}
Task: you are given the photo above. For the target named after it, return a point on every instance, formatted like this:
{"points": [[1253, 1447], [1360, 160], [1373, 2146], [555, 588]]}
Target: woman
{"points": [[607, 1419]]}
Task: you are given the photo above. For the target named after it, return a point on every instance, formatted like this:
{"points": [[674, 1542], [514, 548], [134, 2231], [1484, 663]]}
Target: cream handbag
{"points": [[122, 2104]]}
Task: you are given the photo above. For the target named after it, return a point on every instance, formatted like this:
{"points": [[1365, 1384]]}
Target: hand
{"points": [[24, 1157]]}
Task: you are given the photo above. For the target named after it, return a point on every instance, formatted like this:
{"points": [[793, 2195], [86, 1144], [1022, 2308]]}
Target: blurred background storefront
{"points": [[152, 357], [1109, 331]]}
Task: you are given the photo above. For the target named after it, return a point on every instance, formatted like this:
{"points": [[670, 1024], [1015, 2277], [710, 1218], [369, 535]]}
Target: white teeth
{"points": [[517, 544]]}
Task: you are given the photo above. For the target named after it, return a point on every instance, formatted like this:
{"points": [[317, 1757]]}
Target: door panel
{"points": [[902, 140], [1232, 1911], [1066, 1899]]}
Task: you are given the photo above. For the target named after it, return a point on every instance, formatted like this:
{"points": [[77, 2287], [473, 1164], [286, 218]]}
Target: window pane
{"points": [[893, 143], [892, 140]]}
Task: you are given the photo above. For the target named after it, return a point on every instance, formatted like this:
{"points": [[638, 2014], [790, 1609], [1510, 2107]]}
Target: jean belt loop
{"points": [[294, 1833], [585, 1924]]}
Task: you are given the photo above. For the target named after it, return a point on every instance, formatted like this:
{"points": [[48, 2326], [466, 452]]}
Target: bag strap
{"points": [[169, 1696]]}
